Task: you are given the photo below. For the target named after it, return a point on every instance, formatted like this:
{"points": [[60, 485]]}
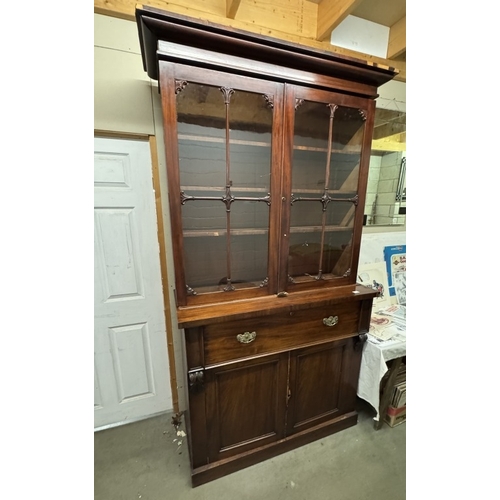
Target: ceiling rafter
{"points": [[388, 130], [232, 7], [330, 14], [396, 142], [397, 39]]}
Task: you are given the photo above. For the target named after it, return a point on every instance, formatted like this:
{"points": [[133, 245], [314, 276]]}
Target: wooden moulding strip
{"points": [[164, 275], [120, 135], [202, 315]]}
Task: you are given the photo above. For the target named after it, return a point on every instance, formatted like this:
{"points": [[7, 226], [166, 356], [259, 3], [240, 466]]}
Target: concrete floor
{"points": [[141, 461]]}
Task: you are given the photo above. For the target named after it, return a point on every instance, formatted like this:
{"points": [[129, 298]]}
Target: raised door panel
{"points": [[318, 381], [131, 377], [246, 405]]}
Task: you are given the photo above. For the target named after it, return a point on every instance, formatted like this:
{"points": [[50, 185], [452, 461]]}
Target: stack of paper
{"points": [[388, 322]]}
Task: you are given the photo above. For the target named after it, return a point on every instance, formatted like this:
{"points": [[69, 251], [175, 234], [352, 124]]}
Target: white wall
{"points": [[122, 90], [361, 35], [392, 95]]}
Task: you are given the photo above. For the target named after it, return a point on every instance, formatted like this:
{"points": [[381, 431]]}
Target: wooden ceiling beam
{"points": [[330, 14], [397, 39], [232, 8], [388, 130], [396, 142], [388, 123]]}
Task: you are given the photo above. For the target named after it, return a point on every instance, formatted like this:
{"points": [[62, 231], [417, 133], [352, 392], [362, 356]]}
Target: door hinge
{"points": [[196, 380]]}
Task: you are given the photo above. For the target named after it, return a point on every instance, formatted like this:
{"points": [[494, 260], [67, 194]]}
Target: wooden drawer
{"points": [[278, 332]]}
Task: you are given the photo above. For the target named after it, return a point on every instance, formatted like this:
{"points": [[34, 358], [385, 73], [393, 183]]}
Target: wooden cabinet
{"points": [[267, 146]]}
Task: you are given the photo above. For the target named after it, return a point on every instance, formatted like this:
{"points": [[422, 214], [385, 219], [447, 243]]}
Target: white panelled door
{"points": [[131, 370]]}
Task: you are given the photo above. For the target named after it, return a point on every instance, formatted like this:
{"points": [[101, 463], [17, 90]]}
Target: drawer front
{"points": [[284, 331]]}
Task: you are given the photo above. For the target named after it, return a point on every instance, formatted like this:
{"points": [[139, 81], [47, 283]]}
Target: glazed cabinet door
{"points": [[320, 388], [327, 136], [245, 405], [223, 162]]}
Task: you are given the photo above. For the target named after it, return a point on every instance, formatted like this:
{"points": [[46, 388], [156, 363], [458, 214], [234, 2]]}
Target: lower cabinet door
{"points": [[245, 405], [320, 385]]}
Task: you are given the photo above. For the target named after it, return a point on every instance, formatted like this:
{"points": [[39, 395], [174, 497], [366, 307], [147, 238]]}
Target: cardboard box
{"points": [[395, 416]]}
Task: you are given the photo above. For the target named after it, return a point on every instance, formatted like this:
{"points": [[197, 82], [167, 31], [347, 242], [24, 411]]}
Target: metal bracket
{"points": [[196, 380]]}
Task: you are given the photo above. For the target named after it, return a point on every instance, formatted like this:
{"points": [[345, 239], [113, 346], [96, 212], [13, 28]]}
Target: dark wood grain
{"points": [[155, 24], [362, 183], [316, 375], [167, 86], [245, 405], [269, 305], [210, 472], [279, 332]]}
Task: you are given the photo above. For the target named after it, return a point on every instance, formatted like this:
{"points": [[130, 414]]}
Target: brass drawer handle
{"points": [[246, 338], [331, 321]]}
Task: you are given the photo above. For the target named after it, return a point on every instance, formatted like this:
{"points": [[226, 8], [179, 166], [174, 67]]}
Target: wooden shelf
{"points": [[221, 140], [194, 233], [331, 192], [221, 190], [317, 229], [197, 233]]}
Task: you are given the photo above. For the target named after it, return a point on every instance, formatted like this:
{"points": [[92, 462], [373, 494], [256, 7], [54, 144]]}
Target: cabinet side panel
{"points": [[197, 429], [352, 363], [365, 316]]}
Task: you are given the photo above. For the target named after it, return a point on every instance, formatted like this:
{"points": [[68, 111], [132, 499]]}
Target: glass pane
{"points": [[325, 171], [305, 244], [225, 166], [249, 216], [206, 264], [201, 163], [205, 261], [249, 263], [250, 120], [203, 217]]}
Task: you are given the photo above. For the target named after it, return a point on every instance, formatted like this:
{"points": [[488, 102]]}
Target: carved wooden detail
{"points": [[180, 85]]}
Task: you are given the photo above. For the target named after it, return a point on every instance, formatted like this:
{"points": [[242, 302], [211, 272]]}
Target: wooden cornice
{"points": [[297, 23]]}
